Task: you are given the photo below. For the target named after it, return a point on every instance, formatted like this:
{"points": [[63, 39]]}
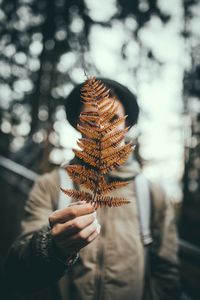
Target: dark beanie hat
{"points": [[125, 96]]}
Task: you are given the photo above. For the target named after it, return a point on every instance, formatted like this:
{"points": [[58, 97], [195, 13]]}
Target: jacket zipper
{"points": [[98, 292]]}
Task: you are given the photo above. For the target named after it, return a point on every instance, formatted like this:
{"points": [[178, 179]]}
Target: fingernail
{"points": [[95, 214], [95, 223], [98, 228]]}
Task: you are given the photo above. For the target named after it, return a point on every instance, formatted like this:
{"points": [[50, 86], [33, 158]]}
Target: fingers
{"points": [[69, 213], [87, 233], [77, 203], [73, 226], [81, 239], [94, 234]]}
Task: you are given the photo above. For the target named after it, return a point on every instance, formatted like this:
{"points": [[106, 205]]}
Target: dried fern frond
{"points": [[101, 147], [79, 196]]}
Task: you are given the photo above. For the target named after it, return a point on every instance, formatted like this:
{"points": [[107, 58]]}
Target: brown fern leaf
{"points": [[109, 112], [78, 195], [85, 177], [113, 163], [78, 169], [87, 158], [114, 142], [81, 180], [88, 132], [112, 135], [101, 148], [116, 152], [115, 123], [107, 188], [94, 90], [88, 142], [89, 118], [92, 151], [106, 105], [110, 201], [110, 150]]}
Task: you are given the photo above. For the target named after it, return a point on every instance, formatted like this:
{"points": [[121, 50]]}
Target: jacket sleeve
{"points": [[33, 262], [163, 259]]}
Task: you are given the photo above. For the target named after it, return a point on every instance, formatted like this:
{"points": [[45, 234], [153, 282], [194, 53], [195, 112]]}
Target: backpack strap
{"points": [[66, 183], [144, 207]]}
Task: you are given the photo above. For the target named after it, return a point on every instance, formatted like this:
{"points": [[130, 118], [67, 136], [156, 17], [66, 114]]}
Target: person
{"points": [[90, 259]]}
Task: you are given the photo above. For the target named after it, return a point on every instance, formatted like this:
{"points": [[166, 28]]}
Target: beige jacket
{"points": [[113, 266]]}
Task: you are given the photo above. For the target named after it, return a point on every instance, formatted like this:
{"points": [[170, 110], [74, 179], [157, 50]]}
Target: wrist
{"points": [[67, 259], [48, 252]]}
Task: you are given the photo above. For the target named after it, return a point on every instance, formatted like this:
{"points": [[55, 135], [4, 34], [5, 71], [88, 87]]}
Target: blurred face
{"points": [[119, 113]]}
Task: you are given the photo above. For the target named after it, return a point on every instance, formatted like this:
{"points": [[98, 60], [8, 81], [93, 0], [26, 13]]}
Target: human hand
{"points": [[74, 227]]}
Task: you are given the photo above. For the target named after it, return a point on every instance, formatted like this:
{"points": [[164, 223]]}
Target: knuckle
{"points": [[82, 235], [92, 236], [77, 224], [54, 231], [73, 212], [52, 218], [89, 239]]}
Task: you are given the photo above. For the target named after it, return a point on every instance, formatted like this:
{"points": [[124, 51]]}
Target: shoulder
{"points": [[46, 187], [47, 180]]}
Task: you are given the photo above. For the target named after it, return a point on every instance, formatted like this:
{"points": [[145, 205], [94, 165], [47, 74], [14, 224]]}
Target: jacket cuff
{"points": [[46, 249]]}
